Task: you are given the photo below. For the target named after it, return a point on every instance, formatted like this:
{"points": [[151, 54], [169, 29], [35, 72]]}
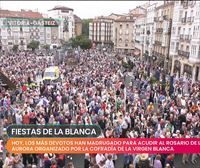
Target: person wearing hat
{"points": [[143, 161]]}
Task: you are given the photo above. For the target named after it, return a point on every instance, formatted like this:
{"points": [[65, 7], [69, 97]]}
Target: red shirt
{"points": [[24, 88], [26, 119]]}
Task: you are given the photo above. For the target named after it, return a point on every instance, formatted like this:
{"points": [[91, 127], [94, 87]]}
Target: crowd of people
{"points": [[95, 91]]}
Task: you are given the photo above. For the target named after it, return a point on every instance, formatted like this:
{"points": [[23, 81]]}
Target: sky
{"points": [[84, 9]]}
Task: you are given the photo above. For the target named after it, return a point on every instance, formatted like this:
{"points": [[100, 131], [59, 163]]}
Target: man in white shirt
{"points": [[18, 118], [99, 158], [109, 162]]}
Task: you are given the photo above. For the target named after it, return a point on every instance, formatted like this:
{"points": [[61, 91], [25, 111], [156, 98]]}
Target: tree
{"points": [[81, 41], [15, 48], [46, 46], [33, 45], [85, 27]]}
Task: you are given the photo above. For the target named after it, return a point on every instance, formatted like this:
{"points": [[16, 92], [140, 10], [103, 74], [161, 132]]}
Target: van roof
{"points": [[51, 68]]}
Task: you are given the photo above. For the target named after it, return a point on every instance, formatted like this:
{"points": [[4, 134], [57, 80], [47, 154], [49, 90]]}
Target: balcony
{"points": [[156, 19], [181, 37], [183, 20], [188, 38], [185, 4], [190, 19], [158, 42], [165, 17], [185, 54], [191, 3], [167, 31], [159, 30], [161, 18]]}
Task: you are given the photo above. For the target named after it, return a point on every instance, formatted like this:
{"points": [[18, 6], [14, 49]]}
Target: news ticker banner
{"points": [[52, 131], [103, 145], [80, 139], [30, 22]]}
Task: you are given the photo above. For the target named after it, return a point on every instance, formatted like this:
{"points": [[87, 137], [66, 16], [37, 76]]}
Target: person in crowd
{"points": [[9, 161], [95, 92], [109, 162], [157, 162]]}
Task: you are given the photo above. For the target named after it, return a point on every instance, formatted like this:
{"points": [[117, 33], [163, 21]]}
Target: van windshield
{"points": [[49, 74]]}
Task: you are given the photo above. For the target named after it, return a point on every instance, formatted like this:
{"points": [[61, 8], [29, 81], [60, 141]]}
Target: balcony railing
{"points": [[188, 37], [159, 30], [191, 3], [185, 54], [165, 17], [167, 31], [158, 42], [156, 19], [183, 20], [190, 19], [181, 37]]}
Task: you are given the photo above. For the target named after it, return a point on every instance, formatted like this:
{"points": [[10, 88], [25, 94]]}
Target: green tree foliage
{"points": [[81, 41], [33, 45], [46, 46], [85, 27]]}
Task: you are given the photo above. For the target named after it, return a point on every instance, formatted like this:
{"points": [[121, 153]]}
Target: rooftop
{"points": [[77, 19], [19, 14], [127, 18], [61, 8]]}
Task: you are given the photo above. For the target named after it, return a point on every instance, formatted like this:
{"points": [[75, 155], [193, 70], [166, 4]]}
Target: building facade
{"points": [[21, 27], [185, 39], [78, 25], [149, 37], [139, 28], [162, 30], [124, 34], [67, 21], [101, 31]]}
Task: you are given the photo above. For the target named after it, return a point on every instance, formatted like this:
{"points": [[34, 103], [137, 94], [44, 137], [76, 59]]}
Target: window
{"points": [[172, 46], [127, 25], [182, 47], [180, 15], [173, 30], [199, 52], [194, 31], [183, 31], [189, 31], [187, 48], [186, 14], [177, 46], [191, 14], [195, 50], [179, 30]]}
